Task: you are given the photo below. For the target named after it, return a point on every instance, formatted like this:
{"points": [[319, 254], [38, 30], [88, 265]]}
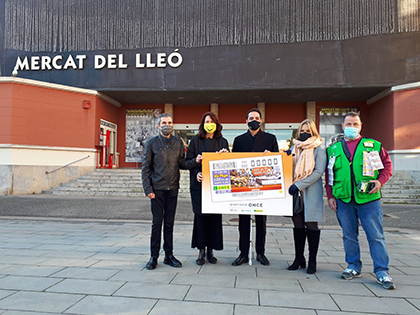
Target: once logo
{"points": [[258, 205]]}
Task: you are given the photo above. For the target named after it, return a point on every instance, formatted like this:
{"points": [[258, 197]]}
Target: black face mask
{"points": [[254, 125], [304, 136]]}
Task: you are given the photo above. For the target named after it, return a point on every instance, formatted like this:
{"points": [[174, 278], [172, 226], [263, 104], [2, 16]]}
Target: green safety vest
{"points": [[347, 174]]}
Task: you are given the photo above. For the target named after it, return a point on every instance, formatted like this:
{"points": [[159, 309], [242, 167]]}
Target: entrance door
{"points": [[108, 158]]}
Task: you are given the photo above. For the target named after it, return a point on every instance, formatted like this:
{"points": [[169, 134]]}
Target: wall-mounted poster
{"points": [[140, 126], [247, 183]]}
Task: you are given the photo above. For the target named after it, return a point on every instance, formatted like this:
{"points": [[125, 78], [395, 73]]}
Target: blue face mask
{"points": [[351, 132]]}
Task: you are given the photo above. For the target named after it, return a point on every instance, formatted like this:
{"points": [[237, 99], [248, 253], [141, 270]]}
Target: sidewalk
{"points": [[94, 267]]}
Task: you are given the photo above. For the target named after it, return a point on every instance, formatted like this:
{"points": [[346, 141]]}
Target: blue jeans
{"points": [[371, 217]]}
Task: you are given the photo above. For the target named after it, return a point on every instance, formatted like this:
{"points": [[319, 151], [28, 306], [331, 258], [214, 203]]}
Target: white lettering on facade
{"points": [[149, 62], [111, 61], [70, 63], [35, 63], [55, 60], [22, 64], [100, 61], [138, 61]]}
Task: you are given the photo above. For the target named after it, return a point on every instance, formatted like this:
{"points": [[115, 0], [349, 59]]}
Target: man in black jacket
{"points": [[163, 156], [254, 140]]}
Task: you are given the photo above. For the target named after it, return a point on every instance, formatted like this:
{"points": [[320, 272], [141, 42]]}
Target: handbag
{"points": [[298, 203]]}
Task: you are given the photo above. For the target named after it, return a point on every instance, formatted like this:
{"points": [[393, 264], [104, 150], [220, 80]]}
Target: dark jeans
{"points": [[244, 234], [163, 210]]}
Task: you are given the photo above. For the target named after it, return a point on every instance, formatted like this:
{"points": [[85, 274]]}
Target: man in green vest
{"points": [[357, 169]]}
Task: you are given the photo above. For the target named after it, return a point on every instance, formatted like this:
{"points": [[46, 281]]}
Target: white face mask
{"points": [[351, 132]]}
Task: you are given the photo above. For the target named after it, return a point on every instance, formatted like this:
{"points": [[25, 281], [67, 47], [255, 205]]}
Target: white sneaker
{"points": [[387, 283], [349, 274]]}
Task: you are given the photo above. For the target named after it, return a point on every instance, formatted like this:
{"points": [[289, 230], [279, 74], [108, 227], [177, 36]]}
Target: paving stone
{"points": [[252, 310], [67, 262], [17, 260], [402, 291], [222, 295], [415, 302], [350, 288], [86, 273], [92, 305], [204, 280], [78, 286], [39, 301], [268, 284], [115, 256], [302, 300], [119, 265], [362, 304], [24, 283], [4, 293], [153, 291], [191, 308], [20, 270], [25, 313], [400, 306], [145, 276]]}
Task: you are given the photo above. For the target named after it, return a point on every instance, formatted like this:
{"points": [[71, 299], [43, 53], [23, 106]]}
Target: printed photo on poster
{"points": [[247, 183], [247, 178], [141, 125]]}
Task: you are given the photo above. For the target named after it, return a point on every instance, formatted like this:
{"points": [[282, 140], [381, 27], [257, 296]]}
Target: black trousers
{"points": [[244, 231], [163, 211]]}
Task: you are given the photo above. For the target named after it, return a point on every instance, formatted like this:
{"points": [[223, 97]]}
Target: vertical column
{"points": [[169, 109], [311, 111], [261, 108], [214, 108]]}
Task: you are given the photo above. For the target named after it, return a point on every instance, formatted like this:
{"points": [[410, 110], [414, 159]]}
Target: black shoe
{"points": [[240, 260], [263, 260], [201, 254], [172, 261], [152, 263], [297, 263], [210, 257]]}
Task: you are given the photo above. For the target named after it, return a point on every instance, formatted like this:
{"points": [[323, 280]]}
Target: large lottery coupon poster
{"points": [[247, 183]]}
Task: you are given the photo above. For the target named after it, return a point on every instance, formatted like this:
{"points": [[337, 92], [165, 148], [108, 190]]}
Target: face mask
{"points": [[254, 125], [304, 136], [351, 132], [210, 127], [166, 130]]}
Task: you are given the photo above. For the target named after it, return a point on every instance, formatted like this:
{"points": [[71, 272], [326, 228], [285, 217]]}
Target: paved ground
{"points": [[95, 267], [138, 209]]}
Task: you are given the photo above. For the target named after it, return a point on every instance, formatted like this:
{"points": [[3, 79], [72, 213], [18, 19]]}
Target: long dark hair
{"points": [[219, 127]]}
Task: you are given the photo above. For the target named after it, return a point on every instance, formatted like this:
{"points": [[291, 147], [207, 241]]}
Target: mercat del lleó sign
{"points": [[110, 61]]}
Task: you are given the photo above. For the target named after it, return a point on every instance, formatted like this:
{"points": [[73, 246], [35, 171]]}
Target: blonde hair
{"points": [[311, 126]]}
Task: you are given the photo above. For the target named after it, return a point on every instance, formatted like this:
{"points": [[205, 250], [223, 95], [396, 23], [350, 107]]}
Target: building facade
{"points": [[85, 80]]}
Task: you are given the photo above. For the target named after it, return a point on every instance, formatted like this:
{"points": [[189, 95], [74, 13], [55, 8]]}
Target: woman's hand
{"points": [[223, 151], [199, 158], [199, 177], [293, 189]]}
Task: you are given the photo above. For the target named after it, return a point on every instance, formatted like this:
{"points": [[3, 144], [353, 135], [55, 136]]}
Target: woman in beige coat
{"points": [[309, 162]]}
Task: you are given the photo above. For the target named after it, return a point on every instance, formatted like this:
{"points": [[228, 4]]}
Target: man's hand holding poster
{"points": [[247, 183]]}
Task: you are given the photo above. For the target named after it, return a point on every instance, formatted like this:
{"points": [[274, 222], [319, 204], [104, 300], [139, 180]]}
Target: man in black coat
{"points": [[254, 140], [163, 157]]}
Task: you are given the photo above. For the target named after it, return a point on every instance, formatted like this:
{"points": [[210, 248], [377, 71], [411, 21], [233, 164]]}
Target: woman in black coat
{"points": [[207, 230]]}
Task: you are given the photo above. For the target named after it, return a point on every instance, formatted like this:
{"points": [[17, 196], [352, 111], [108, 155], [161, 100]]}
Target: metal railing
{"points": [[59, 168]]}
